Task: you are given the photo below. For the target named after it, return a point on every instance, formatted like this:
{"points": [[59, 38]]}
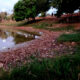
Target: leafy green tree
{"points": [[19, 8], [42, 5], [65, 6], [25, 9]]}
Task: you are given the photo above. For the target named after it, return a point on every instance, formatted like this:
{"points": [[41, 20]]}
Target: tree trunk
{"points": [[34, 19]]}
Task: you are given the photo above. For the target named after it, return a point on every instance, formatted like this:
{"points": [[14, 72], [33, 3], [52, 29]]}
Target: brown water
{"points": [[10, 37]]}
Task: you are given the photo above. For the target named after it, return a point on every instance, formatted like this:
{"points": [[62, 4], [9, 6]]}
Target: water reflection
{"points": [[9, 38]]}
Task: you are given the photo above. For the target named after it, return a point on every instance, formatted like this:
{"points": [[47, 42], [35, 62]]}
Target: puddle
{"points": [[10, 38]]}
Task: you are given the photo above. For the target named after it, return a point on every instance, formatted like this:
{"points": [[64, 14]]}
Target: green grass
{"points": [[4, 74], [48, 26], [42, 25], [74, 37], [66, 28], [77, 49], [59, 68]]}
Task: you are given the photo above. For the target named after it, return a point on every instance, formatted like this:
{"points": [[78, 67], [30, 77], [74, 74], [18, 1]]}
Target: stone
{"points": [[73, 43], [1, 65]]}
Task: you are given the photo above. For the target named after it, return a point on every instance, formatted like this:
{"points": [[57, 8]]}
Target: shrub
{"points": [[74, 37]]}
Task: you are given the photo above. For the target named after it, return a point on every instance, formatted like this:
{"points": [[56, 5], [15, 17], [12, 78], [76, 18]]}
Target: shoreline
{"points": [[42, 44]]}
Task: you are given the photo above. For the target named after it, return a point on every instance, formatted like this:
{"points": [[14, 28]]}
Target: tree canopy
{"points": [[65, 6], [25, 9], [42, 5]]}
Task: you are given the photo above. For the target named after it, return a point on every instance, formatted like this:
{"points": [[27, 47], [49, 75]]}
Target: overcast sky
{"points": [[7, 5]]}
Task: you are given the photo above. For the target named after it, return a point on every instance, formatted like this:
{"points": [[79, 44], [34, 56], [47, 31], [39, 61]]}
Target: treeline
{"points": [[5, 16], [25, 9]]}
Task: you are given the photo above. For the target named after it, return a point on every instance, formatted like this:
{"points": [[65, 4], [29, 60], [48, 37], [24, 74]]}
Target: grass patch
{"points": [[42, 25], [4, 75], [66, 28], [21, 23], [13, 23], [60, 68], [48, 26], [74, 37], [77, 49]]}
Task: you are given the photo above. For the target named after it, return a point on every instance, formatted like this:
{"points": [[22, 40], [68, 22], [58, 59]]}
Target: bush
{"points": [[74, 37]]}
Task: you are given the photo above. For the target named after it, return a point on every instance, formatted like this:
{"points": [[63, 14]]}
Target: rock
{"points": [[1, 65], [73, 43]]}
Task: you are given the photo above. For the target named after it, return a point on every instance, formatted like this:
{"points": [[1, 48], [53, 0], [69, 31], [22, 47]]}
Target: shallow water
{"points": [[10, 37]]}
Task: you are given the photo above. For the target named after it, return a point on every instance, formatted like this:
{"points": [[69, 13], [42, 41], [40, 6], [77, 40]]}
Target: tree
{"points": [[42, 5], [10, 17], [25, 9], [3, 15], [65, 6]]}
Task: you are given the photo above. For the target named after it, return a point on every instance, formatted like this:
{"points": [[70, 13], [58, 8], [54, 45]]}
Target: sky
{"points": [[7, 5]]}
